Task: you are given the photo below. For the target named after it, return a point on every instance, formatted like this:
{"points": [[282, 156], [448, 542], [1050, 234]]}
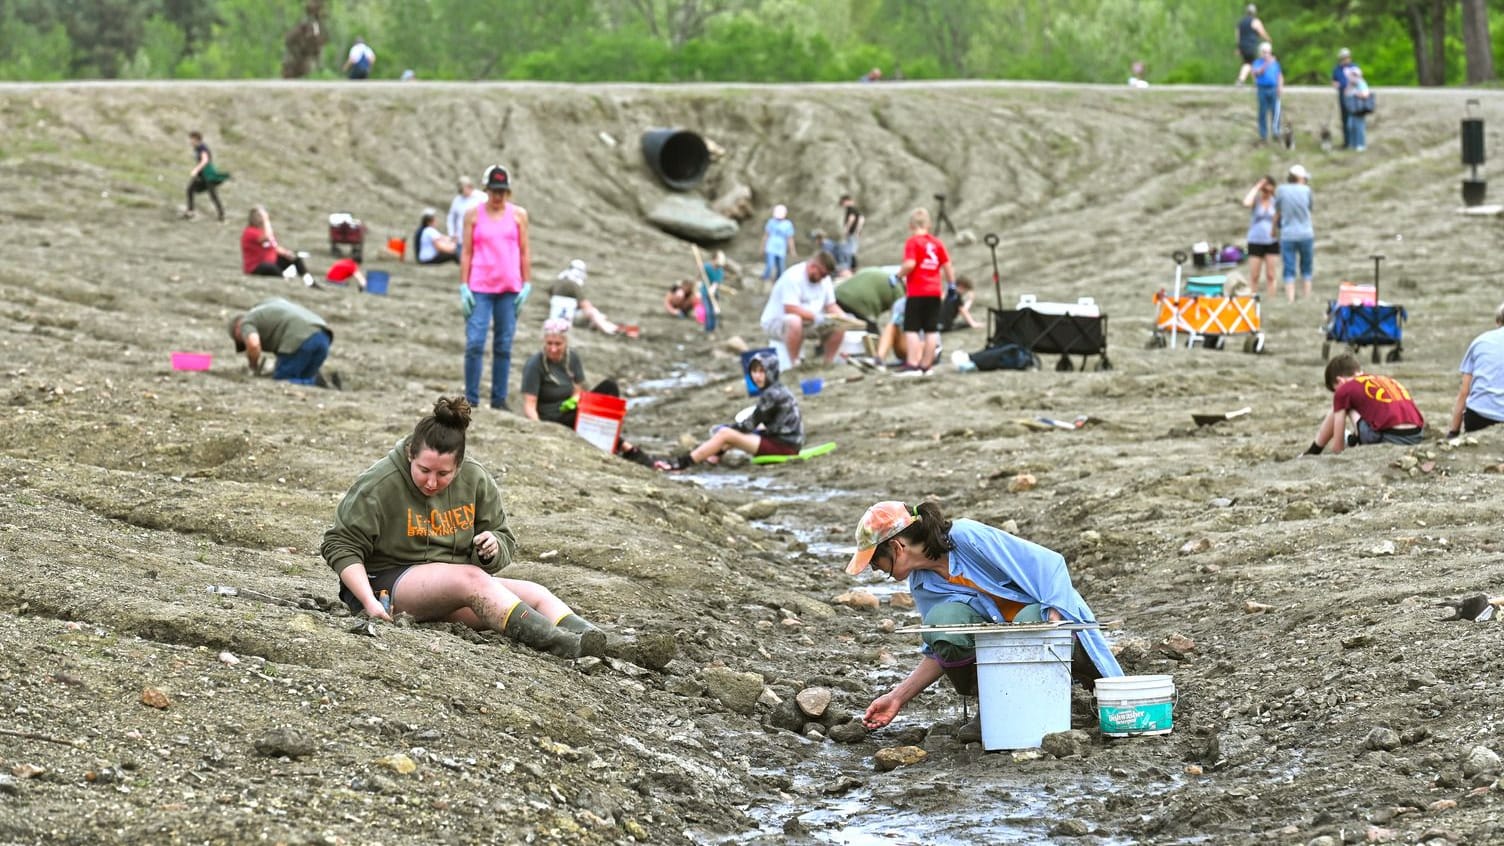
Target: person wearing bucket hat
{"points": [[495, 266], [962, 572], [777, 243]]}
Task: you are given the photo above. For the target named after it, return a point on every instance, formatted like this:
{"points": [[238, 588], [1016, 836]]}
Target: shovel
{"points": [[991, 240], [803, 454]]}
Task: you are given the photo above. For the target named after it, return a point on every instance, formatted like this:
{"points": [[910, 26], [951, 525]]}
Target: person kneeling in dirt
{"points": [[425, 527], [554, 378], [963, 572], [1379, 409], [773, 428], [300, 338]]}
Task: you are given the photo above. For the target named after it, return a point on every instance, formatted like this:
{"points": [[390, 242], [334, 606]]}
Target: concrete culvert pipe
{"points": [[678, 156]]}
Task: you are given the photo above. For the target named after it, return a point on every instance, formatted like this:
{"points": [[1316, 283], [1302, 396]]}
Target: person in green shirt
{"points": [[424, 526], [299, 338], [869, 292]]}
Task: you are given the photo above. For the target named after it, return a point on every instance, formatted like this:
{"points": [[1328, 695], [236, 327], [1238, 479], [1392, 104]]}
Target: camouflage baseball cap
{"points": [[881, 522]]}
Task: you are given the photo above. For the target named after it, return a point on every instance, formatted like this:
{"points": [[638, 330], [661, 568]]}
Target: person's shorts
{"points": [[777, 328], [381, 580], [1261, 250], [922, 314], [1249, 57], [772, 446]]}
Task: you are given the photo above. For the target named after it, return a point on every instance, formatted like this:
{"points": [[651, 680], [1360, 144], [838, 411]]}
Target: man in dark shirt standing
{"points": [[851, 228], [1250, 33], [1339, 82]]}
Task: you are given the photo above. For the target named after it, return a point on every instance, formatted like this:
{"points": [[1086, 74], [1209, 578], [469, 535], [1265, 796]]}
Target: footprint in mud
{"points": [[212, 452]]}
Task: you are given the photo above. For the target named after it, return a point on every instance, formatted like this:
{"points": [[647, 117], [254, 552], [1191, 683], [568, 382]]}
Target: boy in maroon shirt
{"points": [[1379, 409]]}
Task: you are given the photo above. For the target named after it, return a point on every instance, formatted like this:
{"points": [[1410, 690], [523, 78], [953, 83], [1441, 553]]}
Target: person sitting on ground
{"points": [[682, 300], [300, 339], [261, 255], [554, 378], [869, 292], [961, 572], [1378, 408], [802, 299], [434, 247], [343, 270], [571, 285], [1480, 398], [425, 527], [774, 427], [957, 306]]}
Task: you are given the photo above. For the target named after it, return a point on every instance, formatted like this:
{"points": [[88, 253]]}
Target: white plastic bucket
{"points": [[851, 344], [1024, 686], [1131, 706]]}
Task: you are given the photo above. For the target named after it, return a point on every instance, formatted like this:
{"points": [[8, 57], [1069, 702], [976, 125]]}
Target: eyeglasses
{"points": [[884, 553]]}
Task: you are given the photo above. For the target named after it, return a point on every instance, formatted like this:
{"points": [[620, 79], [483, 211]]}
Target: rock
{"points": [[814, 700], [1479, 759], [841, 786], [737, 691], [1070, 828], [1381, 548], [1356, 641], [1412, 736], [1010, 526], [1022, 482], [8, 785], [303, 624], [285, 743], [901, 600], [397, 763], [786, 715], [687, 686], [1251, 607], [735, 203], [688, 216], [1177, 646], [1191, 547], [655, 651], [1220, 502], [1065, 744], [1324, 840], [1382, 737], [155, 698], [1232, 747], [375, 784], [1193, 769], [859, 599], [228, 659], [1441, 805], [769, 698], [759, 510], [894, 757], [836, 715], [1300, 510], [24, 771], [852, 732]]}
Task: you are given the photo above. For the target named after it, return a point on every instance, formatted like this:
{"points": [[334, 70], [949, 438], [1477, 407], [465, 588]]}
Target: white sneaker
{"points": [[308, 280], [290, 272]]}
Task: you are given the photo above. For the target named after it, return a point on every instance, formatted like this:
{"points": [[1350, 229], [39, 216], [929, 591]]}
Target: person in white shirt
{"points": [[803, 298], [467, 199], [360, 61]]}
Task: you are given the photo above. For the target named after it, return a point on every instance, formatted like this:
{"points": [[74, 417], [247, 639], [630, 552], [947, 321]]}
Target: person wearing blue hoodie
{"points": [[773, 428], [964, 572]]}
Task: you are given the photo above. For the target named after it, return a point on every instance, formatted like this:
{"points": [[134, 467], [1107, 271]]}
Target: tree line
{"points": [[1398, 42]]}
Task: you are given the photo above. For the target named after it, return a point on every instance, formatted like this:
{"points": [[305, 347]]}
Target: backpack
{"points": [[1366, 105], [1006, 357]]}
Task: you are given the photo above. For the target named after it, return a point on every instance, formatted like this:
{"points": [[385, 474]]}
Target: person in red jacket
{"points": [[261, 255], [1378, 408], [925, 265]]}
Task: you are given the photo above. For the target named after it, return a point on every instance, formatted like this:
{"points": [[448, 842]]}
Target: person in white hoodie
{"points": [[467, 199]]}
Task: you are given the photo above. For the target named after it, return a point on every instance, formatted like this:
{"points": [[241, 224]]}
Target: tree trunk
{"points": [[1438, 43], [1426, 20], [305, 42], [1476, 41]]}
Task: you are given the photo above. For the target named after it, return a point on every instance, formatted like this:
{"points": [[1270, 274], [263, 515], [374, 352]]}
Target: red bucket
{"points": [[598, 419]]}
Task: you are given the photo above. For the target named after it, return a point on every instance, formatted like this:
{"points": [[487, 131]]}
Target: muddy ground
{"points": [[1321, 698]]}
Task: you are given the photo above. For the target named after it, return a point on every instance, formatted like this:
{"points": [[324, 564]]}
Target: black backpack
{"points": [[1006, 357]]}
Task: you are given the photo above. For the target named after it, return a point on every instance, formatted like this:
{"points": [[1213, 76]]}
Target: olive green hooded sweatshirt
{"points": [[385, 521]]}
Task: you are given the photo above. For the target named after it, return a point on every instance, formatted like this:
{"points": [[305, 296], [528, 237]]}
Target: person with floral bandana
{"points": [[963, 572]]}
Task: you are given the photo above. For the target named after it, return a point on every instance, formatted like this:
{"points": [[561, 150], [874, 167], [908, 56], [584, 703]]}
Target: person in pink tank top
{"points": [[495, 264]]}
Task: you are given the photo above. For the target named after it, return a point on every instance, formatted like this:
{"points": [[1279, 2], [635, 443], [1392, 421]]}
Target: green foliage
{"points": [[1179, 41]]}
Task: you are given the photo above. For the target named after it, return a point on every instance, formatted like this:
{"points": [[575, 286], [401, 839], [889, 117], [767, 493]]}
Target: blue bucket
{"points": [[812, 386], [752, 389], [376, 282]]}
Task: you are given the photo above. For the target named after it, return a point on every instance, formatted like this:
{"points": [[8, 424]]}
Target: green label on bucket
{"points": [[1136, 718]]}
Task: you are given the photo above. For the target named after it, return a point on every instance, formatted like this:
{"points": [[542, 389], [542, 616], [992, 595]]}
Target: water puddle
{"points": [[681, 376]]}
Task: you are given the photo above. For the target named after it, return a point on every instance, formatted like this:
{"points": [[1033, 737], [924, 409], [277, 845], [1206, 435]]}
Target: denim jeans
{"points": [[1268, 108], [773, 266], [1302, 248], [502, 309], [1357, 130], [302, 367]]}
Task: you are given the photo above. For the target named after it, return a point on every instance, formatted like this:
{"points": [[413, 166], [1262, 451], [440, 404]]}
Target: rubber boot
{"points": [[527, 626], [592, 639]]}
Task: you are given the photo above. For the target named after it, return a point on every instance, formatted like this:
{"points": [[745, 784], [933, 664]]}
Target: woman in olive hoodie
{"points": [[425, 527]]}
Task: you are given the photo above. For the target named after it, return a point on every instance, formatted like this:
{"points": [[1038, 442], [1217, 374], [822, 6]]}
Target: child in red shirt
{"points": [[1379, 408], [925, 264]]}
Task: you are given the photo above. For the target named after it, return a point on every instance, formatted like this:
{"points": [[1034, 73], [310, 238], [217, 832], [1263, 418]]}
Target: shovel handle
{"points": [[991, 240], [1179, 256]]}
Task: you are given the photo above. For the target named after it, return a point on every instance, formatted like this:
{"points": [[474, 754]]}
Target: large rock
{"points": [[1480, 759], [735, 203], [852, 732], [285, 742], [689, 217], [814, 700], [894, 757], [737, 691]]}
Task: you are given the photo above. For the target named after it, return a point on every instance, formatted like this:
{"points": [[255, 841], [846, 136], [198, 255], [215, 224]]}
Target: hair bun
{"points": [[453, 412]]}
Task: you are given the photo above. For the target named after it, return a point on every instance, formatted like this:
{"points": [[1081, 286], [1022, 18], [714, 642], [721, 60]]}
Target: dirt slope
{"points": [[132, 489]]}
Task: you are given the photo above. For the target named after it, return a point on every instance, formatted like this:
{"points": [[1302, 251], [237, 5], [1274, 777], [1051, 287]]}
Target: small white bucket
{"points": [[851, 344], [1133, 706], [1023, 686]]}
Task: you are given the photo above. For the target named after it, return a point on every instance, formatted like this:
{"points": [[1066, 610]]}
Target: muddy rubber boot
{"points": [[592, 639], [527, 626]]}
